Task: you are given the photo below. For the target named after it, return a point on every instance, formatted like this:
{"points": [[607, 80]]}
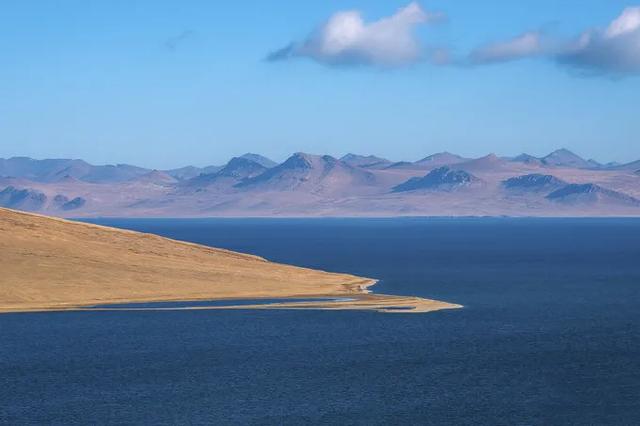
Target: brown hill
{"points": [[54, 263], [48, 263]]}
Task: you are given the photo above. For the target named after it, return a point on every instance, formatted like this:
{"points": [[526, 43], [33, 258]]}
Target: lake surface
{"points": [[550, 333]]}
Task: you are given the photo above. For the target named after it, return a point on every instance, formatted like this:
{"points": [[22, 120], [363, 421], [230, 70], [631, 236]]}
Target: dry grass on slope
{"points": [[48, 263]]}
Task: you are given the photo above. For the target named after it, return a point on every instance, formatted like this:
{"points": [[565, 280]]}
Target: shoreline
{"points": [[363, 300], [91, 218]]}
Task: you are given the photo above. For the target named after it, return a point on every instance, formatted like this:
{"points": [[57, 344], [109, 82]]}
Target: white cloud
{"points": [[614, 50], [626, 23], [346, 39], [523, 46]]}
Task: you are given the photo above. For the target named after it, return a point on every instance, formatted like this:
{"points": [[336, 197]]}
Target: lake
{"points": [[550, 333]]}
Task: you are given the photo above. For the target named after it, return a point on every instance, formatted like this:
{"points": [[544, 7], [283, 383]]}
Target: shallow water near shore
{"points": [[549, 333], [206, 303]]}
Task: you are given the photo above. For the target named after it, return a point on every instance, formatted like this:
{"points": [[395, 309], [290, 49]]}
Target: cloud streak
{"points": [[614, 50], [347, 39], [524, 46], [172, 43]]}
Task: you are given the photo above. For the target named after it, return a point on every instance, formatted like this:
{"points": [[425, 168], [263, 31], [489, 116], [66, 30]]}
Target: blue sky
{"points": [[167, 83]]}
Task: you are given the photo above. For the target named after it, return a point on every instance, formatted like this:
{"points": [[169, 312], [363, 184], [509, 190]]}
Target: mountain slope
{"points": [[441, 159], [52, 170], [590, 193], [155, 177], [441, 179], [633, 166], [565, 158], [63, 202], [51, 263], [527, 159], [188, 172], [311, 173], [42, 170], [23, 199], [405, 165], [111, 173], [365, 161], [488, 163], [533, 183], [265, 162], [242, 168], [236, 170]]}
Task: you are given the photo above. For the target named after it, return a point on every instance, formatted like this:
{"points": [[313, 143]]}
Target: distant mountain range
{"points": [[443, 184]]}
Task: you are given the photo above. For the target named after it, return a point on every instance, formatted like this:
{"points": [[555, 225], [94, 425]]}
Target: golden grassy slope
{"points": [[48, 263]]}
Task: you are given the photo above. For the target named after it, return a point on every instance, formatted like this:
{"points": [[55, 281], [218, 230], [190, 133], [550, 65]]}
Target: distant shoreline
{"points": [[91, 219]]}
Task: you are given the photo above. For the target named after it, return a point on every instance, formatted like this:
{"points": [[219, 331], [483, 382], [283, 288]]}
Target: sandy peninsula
{"points": [[54, 264]]}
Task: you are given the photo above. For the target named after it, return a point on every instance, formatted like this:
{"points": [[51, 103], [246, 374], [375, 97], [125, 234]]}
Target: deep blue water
{"points": [[550, 333]]}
